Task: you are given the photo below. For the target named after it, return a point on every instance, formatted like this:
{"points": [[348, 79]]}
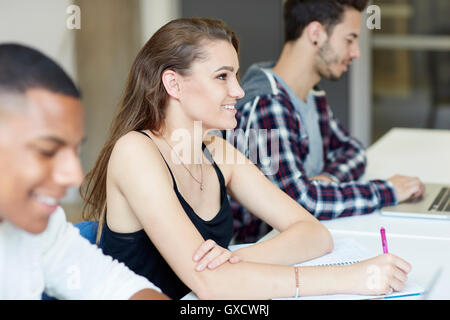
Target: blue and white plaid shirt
{"points": [[343, 158]]}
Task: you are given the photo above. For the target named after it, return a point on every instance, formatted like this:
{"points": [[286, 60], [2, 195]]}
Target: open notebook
{"points": [[348, 251]]}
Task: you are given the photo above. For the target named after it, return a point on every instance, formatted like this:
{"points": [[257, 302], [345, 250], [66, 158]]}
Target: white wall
{"points": [[42, 25], [360, 89], [156, 13]]}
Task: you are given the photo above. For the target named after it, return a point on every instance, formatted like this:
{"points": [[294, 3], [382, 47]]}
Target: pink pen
{"points": [[383, 240]]}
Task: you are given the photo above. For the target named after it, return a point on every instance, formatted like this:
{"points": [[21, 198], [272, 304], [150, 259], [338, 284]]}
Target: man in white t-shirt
{"points": [[41, 129]]}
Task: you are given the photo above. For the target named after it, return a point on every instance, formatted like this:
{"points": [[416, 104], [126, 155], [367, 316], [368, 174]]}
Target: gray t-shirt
{"points": [[313, 164]]}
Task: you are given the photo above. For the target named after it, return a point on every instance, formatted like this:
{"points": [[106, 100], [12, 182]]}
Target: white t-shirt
{"points": [[63, 263]]}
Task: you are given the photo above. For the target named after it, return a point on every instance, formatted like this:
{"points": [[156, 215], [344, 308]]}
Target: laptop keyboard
{"points": [[442, 202]]}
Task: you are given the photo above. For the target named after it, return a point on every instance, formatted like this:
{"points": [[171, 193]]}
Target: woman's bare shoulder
{"points": [[134, 151]]}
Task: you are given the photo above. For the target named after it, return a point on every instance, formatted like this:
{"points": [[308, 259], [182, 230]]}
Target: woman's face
{"points": [[209, 93]]}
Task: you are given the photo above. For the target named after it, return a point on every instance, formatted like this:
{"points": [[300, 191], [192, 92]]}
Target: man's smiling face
{"points": [[39, 144]]}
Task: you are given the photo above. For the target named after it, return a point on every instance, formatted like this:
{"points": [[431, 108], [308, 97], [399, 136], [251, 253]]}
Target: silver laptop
{"points": [[435, 204]]}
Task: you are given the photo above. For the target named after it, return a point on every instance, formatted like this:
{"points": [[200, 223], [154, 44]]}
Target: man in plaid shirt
{"points": [[313, 158]]}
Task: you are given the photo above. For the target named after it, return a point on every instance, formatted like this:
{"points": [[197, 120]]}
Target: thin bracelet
{"points": [[297, 285]]}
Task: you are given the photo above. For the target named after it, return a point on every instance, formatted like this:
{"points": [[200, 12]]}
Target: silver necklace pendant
{"points": [[201, 187]]}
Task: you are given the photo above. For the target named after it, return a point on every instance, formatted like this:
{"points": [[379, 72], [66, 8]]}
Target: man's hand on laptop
{"points": [[407, 188]]}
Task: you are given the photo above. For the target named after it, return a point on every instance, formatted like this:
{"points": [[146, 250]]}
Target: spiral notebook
{"points": [[348, 251]]}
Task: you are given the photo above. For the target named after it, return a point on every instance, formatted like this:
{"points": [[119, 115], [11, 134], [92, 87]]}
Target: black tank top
{"points": [[140, 255]]}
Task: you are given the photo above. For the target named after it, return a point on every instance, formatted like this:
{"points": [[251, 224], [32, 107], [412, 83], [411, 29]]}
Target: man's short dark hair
{"points": [[299, 13], [23, 68]]}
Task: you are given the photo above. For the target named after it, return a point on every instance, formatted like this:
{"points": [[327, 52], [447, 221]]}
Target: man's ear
{"points": [[316, 33], [170, 80]]}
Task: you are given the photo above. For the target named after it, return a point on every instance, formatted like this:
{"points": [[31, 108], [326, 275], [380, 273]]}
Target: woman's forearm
{"points": [[302, 241], [248, 280]]}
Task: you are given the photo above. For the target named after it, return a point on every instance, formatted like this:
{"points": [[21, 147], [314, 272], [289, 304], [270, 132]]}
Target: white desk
{"points": [[401, 227], [428, 257], [423, 243], [414, 152]]}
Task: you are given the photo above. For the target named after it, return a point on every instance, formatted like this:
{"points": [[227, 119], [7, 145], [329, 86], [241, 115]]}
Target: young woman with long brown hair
{"points": [[160, 184]]}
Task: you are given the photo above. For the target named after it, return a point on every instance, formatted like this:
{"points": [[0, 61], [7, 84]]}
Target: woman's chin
{"points": [[229, 125]]}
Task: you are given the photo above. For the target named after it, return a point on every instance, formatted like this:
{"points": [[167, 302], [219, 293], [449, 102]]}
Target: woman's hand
{"points": [[379, 275], [210, 255]]}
